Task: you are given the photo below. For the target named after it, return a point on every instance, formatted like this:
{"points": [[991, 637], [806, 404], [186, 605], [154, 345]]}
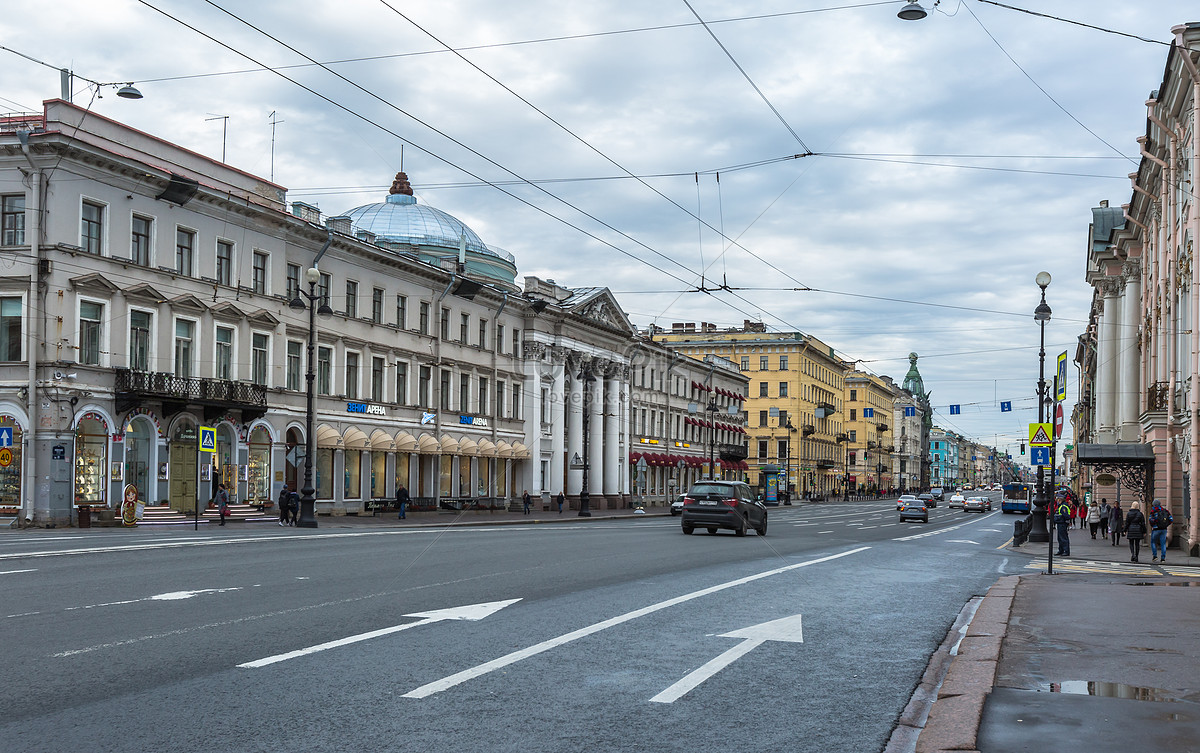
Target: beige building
{"points": [[869, 428]]}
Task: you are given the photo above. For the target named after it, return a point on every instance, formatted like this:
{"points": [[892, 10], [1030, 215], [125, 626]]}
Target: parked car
{"points": [[977, 504], [677, 505], [723, 504], [914, 511], [956, 500], [906, 498], [928, 499]]}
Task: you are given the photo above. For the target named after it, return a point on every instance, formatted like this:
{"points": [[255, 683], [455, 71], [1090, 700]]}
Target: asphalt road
{"points": [[612, 635]]}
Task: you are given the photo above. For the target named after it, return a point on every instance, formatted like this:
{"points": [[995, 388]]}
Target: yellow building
{"points": [[869, 424], [793, 414]]}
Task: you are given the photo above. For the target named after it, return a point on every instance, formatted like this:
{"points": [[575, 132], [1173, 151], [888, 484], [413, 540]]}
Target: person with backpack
{"points": [[294, 507], [284, 495], [1160, 527], [1135, 529]]}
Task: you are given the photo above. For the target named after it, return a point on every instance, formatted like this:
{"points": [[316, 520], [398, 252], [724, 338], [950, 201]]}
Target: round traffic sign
{"points": [[1058, 421], [5, 457]]}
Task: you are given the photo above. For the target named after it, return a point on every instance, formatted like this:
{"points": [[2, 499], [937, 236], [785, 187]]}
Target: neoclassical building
{"points": [[912, 422]]}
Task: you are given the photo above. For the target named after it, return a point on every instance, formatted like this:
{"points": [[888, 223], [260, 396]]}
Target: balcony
{"points": [[176, 393]]}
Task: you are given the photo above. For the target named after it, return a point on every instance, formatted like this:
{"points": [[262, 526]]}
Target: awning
{"points": [[1132, 463], [381, 440], [487, 448], [520, 451], [355, 439], [327, 436], [448, 446], [427, 445], [405, 442], [467, 446], [503, 449]]}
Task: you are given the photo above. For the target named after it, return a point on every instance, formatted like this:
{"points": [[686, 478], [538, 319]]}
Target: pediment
{"points": [[264, 318], [145, 293], [94, 283], [602, 307], [228, 312], [188, 302]]}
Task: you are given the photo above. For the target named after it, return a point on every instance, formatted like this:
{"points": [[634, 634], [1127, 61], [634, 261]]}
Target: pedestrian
{"points": [[1093, 518], [222, 499], [1080, 513], [294, 507], [1135, 529], [1116, 522], [402, 501], [1160, 527], [1062, 523], [525, 500], [285, 496], [1104, 510], [560, 499]]}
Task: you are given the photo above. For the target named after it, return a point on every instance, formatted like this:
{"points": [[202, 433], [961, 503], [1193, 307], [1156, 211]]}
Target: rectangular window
{"points": [[401, 383], [853, 414], [258, 279], [762, 418], [516, 340], [500, 402], [423, 326], [351, 299], [499, 338], [783, 363], [464, 393], [324, 371], [259, 349], [853, 396], [444, 396], [783, 387], [853, 435], [185, 251], [139, 245], [445, 324], [762, 389], [783, 418], [293, 364], [483, 396], [12, 220], [91, 316], [185, 332], [224, 356], [745, 363], [139, 340], [402, 312], [91, 230], [323, 286], [224, 262], [464, 327], [483, 330], [424, 377], [351, 376], [516, 403], [783, 449], [293, 281], [377, 305], [10, 329], [762, 363], [762, 449], [377, 379]]}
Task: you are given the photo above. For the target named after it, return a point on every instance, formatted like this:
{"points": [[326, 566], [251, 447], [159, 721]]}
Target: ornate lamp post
{"points": [[585, 374], [308, 497], [712, 432], [1041, 503]]}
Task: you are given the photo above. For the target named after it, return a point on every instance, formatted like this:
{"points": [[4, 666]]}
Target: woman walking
{"points": [[1104, 517], [1135, 529], [1093, 518], [1115, 522]]}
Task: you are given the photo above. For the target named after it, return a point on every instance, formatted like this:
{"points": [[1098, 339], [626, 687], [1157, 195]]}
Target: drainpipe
{"points": [[437, 410], [29, 471]]}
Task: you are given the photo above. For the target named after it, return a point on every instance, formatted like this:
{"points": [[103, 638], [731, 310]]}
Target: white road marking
{"points": [[788, 629], [962, 541], [471, 612], [171, 596], [824, 531], [469, 674], [14, 572]]}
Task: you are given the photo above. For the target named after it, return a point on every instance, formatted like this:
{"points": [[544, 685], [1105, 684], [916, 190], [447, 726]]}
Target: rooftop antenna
{"points": [[224, 130], [274, 121]]}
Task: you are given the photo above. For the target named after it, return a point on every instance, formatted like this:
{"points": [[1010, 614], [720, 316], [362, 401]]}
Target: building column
{"points": [[612, 439], [1106, 363], [1130, 390], [575, 435], [557, 428], [596, 440]]}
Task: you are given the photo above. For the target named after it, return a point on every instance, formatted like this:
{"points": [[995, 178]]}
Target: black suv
{"points": [[723, 504]]}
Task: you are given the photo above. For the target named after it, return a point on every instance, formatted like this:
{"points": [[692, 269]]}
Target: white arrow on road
{"points": [[785, 629], [468, 612]]}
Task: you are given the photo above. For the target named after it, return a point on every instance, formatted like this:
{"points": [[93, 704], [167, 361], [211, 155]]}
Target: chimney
{"points": [[340, 224], [1104, 203], [690, 326], [306, 212], [677, 326]]}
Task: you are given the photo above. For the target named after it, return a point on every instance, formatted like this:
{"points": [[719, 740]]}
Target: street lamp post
{"points": [[787, 467], [1041, 314], [712, 437], [308, 497], [585, 374]]}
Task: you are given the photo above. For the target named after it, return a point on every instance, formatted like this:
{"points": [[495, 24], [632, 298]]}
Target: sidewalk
{"points": [[1101, 657]]}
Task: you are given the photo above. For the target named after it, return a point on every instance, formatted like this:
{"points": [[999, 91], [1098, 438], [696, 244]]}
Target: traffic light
{"points": [[1022, 448]]}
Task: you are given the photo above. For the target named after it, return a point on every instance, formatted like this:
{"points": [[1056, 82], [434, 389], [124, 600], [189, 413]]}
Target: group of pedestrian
{"points": [[1111, 522], [289, 506]]}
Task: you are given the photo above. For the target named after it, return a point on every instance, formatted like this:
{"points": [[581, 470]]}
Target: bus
{"points": [[1016, 497]]}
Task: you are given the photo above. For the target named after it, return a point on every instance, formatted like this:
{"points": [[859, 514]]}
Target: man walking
{"points": [[285, 495], [560, 499], [525, 499], [222, 502], [1062, 522], [1160, 526], [402, 500]]}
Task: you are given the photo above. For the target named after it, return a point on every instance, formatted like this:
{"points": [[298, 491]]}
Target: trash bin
{"points": [[85, 516]]}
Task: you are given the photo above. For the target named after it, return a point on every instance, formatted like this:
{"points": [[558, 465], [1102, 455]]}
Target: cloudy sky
{"points": [[909, 178]]}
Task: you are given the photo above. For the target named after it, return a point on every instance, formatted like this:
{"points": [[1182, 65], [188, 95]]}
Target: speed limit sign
{"points": [[5, 457]]}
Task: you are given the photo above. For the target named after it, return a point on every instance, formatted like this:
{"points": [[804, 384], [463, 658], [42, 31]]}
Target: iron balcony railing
{"points": [[190, 389]]}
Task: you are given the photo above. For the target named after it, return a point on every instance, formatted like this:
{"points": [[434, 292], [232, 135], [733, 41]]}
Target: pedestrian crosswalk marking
{"points": [[1093, 566]]}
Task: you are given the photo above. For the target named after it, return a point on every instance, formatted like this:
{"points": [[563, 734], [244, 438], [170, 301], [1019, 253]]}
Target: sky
{"points": [[887, 186]]}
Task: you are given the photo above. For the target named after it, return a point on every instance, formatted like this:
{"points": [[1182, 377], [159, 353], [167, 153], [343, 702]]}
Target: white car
{"points": [[956, 500], [907, 498]]}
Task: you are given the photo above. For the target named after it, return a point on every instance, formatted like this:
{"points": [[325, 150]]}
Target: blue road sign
{"points": [[1039, 456], [6, 437]]}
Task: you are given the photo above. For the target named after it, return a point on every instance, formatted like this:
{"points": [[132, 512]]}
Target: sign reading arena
{"points": [[472, 420], [374, 410]]}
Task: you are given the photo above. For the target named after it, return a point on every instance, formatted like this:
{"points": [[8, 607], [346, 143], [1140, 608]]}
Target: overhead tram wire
{"points": [[444, 160]]}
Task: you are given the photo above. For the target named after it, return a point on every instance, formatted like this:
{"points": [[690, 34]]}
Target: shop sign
{"points": [[58, 452], [374, 410], [428, 418], [473, 420]]}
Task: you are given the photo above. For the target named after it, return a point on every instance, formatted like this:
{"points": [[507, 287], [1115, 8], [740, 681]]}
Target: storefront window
{"points": [[91, 456], [464, 476], [444, 478], [258, 488], [501, 477], [378, 475], [402, 470], [10, 464], [353, 475], [324, 471], [485, 477]]}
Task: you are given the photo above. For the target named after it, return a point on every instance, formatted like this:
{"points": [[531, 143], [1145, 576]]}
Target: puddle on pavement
{"points": [[1165, 583], [1114, 690]]}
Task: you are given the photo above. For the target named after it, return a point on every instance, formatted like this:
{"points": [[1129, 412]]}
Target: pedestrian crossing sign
{"points": [[1040, 434], [208, 439]]}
